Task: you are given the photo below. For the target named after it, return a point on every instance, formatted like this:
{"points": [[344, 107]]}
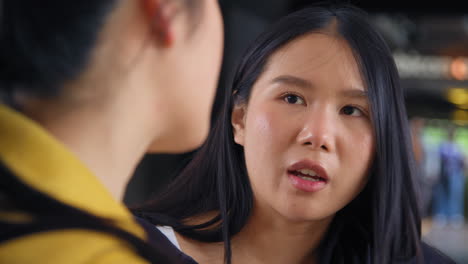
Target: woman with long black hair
{"points": [[309, 160], [86, 89]]}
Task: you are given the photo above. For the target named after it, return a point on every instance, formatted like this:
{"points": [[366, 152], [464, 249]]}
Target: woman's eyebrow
{"points": [[292, 80], [355, 93]]}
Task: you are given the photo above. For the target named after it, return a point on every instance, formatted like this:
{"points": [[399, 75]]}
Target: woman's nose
{"points": [[318, 130]]}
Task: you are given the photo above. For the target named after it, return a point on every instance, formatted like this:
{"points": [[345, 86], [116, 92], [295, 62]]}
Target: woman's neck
{"points": [[270, 238], [266, 238], [107, 139]]}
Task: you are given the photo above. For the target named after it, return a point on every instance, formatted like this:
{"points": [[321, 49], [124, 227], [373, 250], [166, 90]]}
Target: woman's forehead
{"points": [[311, 56], [312, 50]]}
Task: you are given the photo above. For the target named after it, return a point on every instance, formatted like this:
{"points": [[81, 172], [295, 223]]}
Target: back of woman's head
{"points": [[98, 51], [382, 223], [45, 43]]}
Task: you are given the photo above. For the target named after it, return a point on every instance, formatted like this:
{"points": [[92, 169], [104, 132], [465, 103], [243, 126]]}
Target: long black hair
{"points": [[381, 225], [45, 43]]}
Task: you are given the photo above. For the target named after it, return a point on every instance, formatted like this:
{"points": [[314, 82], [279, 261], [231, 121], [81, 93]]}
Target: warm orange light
{"points": [[459, 69]]}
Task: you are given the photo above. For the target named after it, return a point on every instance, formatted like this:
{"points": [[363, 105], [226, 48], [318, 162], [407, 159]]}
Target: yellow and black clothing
{"points": [[54, 210]]}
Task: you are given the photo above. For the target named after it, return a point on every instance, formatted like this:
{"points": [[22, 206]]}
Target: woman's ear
{"points": [[157, 13], [238, 123]]}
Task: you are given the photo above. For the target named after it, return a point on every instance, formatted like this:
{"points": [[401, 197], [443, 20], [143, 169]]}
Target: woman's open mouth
{"points": [[307, 176]]}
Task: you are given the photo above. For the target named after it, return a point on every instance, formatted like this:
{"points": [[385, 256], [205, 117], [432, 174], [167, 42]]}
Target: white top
{"points": [[169, 233]]}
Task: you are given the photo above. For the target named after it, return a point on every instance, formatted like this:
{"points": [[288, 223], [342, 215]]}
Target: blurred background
{"points": [[430, 45]]}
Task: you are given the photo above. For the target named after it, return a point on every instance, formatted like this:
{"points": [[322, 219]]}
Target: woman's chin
{"points": [[302, 215]]}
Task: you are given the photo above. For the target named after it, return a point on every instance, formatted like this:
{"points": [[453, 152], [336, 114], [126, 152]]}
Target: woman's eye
{"points": [[293, 99], [352, 111]]}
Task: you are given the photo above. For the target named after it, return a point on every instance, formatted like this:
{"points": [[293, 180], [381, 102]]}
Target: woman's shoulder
{"points": [[431, 255]]}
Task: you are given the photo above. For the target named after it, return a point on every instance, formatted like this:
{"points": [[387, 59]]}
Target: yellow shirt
{"points": [[43, 163]]}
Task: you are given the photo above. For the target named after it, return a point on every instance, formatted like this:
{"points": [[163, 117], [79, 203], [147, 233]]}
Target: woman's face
{"points": [[306, 130]]}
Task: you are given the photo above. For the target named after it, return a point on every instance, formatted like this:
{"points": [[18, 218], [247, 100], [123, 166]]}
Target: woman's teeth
{"points": [[308, 175], [308, 172], [309, 178]]}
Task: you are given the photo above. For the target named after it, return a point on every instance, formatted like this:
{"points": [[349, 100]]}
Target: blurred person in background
{"points": [[427, 164], [87, 87], [449, 191], [310, 160]]}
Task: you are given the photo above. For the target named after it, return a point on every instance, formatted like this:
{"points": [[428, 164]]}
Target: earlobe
{"points": [[157, 15], [238, 123]]}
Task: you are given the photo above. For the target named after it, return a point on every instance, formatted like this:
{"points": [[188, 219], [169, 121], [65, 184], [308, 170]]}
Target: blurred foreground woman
{"points": [[87, 87]]}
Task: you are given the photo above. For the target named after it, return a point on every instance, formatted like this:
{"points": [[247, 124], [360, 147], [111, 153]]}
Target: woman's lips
{"points": [[307, 176]]}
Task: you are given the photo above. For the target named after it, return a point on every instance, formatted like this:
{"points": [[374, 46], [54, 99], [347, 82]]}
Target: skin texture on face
{"points": [[309, 104], [188, 82]]}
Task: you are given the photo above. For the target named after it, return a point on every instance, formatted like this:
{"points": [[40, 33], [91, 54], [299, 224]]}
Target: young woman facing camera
{"points": [[87, 88], [310, 159]]}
